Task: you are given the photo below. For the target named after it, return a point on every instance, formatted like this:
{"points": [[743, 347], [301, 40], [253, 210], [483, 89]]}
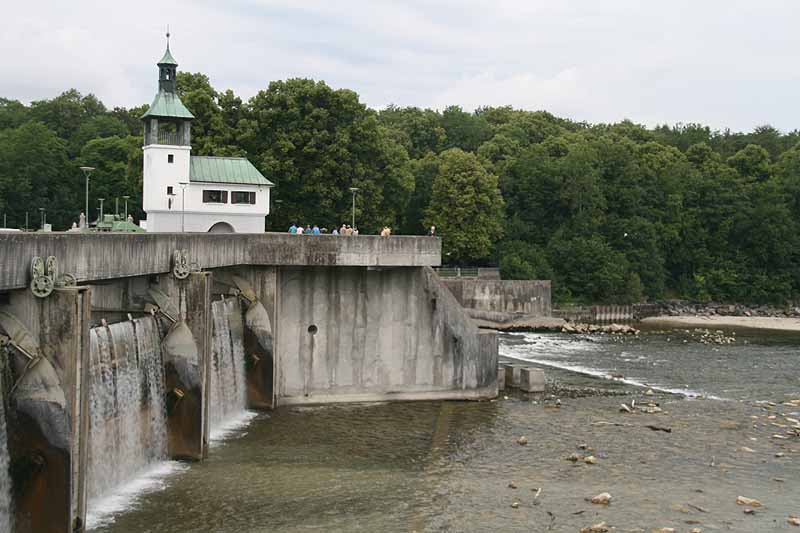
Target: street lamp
{"points": [[354, 190], [183, 185], [86, 172]]}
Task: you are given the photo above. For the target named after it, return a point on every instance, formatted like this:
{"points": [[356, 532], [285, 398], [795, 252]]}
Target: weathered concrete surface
{"points": [[186, 351], [532, 380], [108, 256], [510, 297], [353, 334], [48, 431]]}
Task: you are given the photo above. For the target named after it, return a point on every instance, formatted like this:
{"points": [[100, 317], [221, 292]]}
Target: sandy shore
{"points": [[784, 324]]}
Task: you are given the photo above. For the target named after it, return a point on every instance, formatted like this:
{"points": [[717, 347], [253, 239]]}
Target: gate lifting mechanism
{"points": [[45, 277]]}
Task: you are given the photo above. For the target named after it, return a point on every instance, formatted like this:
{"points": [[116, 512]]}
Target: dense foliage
{"points": [[609, 212]]}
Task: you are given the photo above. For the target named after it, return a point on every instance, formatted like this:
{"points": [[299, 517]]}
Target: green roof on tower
{"points": [[167, 59], [167, 105]]}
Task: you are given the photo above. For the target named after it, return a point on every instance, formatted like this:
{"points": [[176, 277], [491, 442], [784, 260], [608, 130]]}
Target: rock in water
{"points": [[603, 498], [741, 500], [602, 527], [794, 520], [522, 441]]}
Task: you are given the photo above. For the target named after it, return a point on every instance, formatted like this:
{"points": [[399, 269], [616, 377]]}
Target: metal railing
{"points": [[168, 137]]}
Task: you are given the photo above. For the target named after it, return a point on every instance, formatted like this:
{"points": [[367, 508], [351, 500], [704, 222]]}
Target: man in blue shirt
{"points": [[292, 228], [315, 231]]}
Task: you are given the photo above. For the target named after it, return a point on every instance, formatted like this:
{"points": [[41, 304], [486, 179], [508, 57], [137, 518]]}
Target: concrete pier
{"points": [[532, 380], [47, 425]]}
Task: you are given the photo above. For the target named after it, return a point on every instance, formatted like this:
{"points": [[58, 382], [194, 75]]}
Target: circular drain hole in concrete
{"points": [[312, 329]]}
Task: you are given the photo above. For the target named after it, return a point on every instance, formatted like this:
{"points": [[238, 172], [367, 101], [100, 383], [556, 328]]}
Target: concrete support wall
{"points": [[355, 334], [519, 297], [186, 350], [47, 426]]}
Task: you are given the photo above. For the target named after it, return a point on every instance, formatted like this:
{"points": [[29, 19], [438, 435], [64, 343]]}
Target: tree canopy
{"points": [[610, 212]]}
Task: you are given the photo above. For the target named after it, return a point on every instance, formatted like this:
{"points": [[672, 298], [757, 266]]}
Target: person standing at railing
{"points": [[432, 231]]}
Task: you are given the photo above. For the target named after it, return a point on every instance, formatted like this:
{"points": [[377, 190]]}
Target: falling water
{"points": [[228, 388], [5, 479], [128, 414]]}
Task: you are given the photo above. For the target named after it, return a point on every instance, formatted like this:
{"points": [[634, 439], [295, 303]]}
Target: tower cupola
{"points": [[167, 71], [167, 121]]}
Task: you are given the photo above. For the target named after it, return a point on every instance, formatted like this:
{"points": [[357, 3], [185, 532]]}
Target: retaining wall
{"points": [[516, 297]]}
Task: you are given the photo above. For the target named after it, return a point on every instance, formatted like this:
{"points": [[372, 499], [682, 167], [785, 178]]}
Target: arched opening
{"points": [[221, 227]]}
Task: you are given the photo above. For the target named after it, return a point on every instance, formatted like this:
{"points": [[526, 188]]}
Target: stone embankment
{"points": [[715, 309]]}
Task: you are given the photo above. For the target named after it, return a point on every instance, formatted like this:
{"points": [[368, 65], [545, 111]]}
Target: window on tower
{"points": [[169, 190], [170, 158]]}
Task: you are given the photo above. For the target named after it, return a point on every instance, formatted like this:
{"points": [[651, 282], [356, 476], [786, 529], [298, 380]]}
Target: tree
{"points": [[35, 172], [466, 207], [316, 143]]}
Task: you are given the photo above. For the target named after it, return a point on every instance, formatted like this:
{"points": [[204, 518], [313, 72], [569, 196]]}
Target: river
{"points": [[447, 466]]}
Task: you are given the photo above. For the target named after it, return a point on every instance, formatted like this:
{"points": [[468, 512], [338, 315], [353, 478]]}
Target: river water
{"points": [[447, 466]]}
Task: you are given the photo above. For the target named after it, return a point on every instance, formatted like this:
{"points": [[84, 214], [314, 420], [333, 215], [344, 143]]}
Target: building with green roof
{"points": [[190, 193]]}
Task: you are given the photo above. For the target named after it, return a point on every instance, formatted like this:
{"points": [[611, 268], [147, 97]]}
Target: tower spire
{"points": [[167, 36]]}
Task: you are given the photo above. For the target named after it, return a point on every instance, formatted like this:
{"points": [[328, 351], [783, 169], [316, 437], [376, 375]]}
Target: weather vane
{"points": [[167, 35]]}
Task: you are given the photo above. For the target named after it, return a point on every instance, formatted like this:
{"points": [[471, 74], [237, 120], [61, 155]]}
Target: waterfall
{"points": [[228, 387], [128, 431], [5, 478]]}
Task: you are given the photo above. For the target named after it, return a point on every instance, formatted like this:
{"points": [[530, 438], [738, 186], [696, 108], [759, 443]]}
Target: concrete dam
{"points": [[119, 351]]}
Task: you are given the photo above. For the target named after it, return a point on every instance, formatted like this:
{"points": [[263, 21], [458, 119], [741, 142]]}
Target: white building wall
{"points": [[200, 217], [158, 174]]}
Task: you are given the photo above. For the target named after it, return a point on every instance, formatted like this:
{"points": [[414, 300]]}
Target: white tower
{"points": [[167, 151]]}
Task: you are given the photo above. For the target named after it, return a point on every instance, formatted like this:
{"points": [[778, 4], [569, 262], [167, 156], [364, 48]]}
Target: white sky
{"points": [[725, 63]]}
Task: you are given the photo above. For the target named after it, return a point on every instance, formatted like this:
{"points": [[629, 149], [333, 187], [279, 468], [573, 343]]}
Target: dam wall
{"points": [[530, 298], [375, 334], [122, 351]]}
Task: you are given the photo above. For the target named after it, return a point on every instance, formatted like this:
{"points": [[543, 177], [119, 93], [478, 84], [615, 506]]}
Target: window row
{"points": [[221, 197]]}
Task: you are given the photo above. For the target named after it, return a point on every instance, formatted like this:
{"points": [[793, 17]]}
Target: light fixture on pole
{"points": [[183, 185], [354, 190], [86, 172]]}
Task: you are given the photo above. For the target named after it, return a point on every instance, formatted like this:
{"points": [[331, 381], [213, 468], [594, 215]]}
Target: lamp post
{"points": [[183, 185], [126, 205], [100, 219], [86, 172], [354, 190]]}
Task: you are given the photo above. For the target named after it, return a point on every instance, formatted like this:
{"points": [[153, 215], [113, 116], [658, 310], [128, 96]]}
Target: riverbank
{"points": [[717, 321]]}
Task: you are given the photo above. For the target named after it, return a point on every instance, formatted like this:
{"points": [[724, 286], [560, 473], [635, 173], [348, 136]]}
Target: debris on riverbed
{"points": [[793, 520], [522, 441], [613, 329], [750, 502], [604, 498], [602, 527]]}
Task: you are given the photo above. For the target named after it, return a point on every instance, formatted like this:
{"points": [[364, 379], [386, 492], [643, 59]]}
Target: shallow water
{"points": [[756, 366], [446, 466]]}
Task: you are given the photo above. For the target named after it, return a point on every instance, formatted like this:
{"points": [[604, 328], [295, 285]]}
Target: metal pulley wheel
{"points": [[180, 268], [66, 280], [41, 284]]}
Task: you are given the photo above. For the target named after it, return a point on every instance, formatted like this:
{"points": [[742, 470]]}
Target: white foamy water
{"points": [[5, 478], [228, 387], [103, 509], [573, 354], [128, 430]]}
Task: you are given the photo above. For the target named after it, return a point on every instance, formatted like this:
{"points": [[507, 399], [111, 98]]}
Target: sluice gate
{"points": [[121, 351]]}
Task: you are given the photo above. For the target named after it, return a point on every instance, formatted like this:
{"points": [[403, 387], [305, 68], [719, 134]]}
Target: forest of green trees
{"points": [[609, 212]]}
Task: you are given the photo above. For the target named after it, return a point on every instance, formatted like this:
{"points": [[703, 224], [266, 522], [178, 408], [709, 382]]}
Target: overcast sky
{"points": [[725, 63]]}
